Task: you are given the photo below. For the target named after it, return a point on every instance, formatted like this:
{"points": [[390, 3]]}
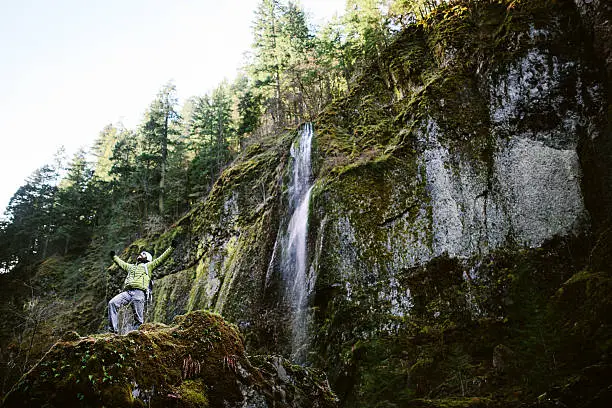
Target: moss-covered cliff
{"points": [[461, 188], [458, 226]]}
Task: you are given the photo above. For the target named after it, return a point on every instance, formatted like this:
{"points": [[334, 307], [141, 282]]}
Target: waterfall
{"points": [[298, 282]]}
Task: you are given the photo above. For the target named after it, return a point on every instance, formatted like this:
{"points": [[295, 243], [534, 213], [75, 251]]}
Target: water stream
{"points": [[298, 280]]}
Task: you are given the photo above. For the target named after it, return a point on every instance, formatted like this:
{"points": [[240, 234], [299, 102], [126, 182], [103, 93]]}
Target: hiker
{"points": [[136, 285]]}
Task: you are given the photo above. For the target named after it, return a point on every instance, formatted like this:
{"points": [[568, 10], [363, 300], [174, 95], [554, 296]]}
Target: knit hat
{"points": [[147, 255]]}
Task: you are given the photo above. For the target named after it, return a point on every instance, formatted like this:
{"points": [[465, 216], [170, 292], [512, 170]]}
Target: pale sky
{"points": [[70, 67]]}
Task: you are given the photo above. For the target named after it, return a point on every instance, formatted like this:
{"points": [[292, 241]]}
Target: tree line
{"points": [[139, 180]]}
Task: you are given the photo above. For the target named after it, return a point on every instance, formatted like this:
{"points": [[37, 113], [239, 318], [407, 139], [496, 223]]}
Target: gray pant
{"points": [[134, 296]]}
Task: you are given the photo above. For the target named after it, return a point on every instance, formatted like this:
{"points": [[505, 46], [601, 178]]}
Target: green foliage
{"points": [[161, 123], [80, 195], [249, 108], [408, 11], [31, 217], [295, 71], [365, 29], [267, 65], [48, 216], [211, 130], [103, 151]]}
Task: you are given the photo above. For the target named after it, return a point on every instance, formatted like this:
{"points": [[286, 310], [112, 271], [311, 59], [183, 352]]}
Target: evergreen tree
{"points": [[76, 203], [408, 11], [293, 73], [296, 46], [160, 125], [177, 179], [31, 217], [211, 130], [332, 67], [201, 144], [223, 127], [267, 65], [366, 30], [128, 198], [248, 108], [103, 150]]}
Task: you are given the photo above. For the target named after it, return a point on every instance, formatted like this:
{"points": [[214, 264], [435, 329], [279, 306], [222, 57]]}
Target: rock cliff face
{"points": [[457, 228]]}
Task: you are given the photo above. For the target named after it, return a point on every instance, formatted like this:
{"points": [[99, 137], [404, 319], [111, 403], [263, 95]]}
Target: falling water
{"points": [[294, 256]]}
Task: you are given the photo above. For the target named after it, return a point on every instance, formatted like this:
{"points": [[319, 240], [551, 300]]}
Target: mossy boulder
{"points": [[198, 361]]}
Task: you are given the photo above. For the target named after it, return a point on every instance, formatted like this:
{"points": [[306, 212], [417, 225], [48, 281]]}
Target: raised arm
{"points": [[122, 264], [159, 260]]}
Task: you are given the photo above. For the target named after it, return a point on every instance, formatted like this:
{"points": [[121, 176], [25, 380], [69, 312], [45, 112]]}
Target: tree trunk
{"points": [[279, 103], [45, 246], [164, 155]]}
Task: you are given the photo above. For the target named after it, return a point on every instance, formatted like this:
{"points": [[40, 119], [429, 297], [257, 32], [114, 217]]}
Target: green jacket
{"points": [[137, 276]]}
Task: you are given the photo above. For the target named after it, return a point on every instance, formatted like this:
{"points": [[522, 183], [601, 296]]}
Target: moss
{"points": [[581, 306], [166, 239], [369, 195], [50, 271], [204, 287], [170, 296], [199, 361], [437, 68], [193, 394], [116, 396], [152, 363], [228, 274], [223, 237], [454, 403], [499, 337]]}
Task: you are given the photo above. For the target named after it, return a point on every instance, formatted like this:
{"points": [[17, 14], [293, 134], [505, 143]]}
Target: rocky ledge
{"points": [[198, 361]]}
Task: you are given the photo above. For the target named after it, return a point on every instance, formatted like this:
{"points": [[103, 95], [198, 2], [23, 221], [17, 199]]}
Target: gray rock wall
{"points": [[523, 191]]}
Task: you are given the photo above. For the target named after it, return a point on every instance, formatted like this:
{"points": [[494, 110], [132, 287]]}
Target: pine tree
{"points": [[333, 62], [365, 30], [177, 179], [267, 66], [160, 125], [128, 198], [408, 11], [223, 124], [248, 108], [77, 201], [103, 150], [31, 216], [296, 46], [211, 130]]}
